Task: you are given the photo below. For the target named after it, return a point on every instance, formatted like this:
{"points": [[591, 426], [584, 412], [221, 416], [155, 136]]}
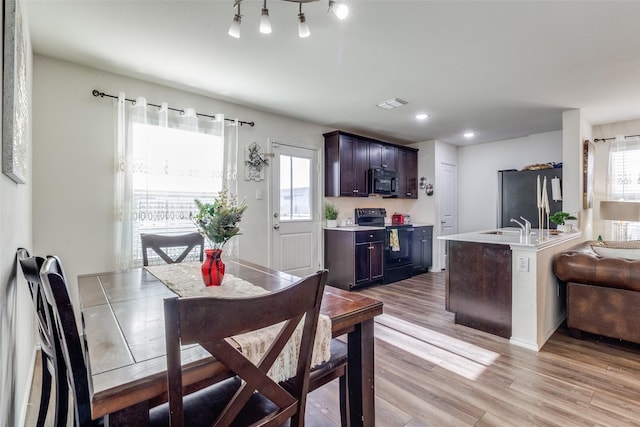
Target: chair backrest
{"points": [[57, 295], [31, 270], [49, 342], [157, 242], [209, 321]]}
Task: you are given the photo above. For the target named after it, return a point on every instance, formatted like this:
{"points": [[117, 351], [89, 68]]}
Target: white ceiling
{"points": [[503, 69]]}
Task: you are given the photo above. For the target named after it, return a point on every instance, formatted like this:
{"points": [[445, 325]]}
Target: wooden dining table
{"points": [[123, 325]]}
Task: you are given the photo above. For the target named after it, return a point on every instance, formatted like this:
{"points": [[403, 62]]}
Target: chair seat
{"points": [[202, 407], [339, 353]]}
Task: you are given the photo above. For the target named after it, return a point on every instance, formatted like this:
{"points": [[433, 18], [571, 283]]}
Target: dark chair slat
{"points": [[159, 242], [73, 348]]}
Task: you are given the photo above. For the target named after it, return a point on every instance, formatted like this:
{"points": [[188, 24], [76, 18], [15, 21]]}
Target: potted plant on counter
{"points": [[331, 215], [559, 219]]}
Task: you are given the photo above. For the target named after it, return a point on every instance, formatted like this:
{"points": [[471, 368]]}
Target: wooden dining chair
{"points": [[250, 397], [72, 346], [53, 366], [159, 242]]}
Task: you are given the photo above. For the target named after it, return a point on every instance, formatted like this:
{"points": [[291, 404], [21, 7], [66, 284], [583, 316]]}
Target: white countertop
{"points": [[511, 236], [365, 228], [354, 228]]}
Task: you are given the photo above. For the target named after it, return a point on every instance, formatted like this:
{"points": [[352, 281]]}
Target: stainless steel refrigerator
{"points": [[517, 196]]}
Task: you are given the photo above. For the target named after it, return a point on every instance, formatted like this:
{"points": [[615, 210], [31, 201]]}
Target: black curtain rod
{"points": [[613, 137], [96, 93]]}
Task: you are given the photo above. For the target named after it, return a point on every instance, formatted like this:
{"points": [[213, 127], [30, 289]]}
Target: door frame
{"points": [[317, 199]]}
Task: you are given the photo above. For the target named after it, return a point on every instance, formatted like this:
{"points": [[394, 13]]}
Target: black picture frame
{"points": [[15, 107]]}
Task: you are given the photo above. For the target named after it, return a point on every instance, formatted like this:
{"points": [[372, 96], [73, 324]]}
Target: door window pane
{"points": [[295, 188]]}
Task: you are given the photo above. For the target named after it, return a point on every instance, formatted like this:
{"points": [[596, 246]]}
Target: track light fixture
{"points": [[303, 28], [339, 8], [234, 29], [265, 22]]}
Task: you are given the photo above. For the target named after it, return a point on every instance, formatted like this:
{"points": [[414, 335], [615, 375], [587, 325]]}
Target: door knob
{"points": [[276, 227]]}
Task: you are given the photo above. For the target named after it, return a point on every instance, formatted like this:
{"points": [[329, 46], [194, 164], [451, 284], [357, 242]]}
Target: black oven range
{"points": [[397, 243]]}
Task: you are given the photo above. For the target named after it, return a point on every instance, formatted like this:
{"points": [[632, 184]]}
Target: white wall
{"points": [[478, 167], [17, 320], [73, 161]]}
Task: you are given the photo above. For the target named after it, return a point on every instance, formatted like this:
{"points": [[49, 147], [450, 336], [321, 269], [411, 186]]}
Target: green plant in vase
{"points": [[331, 214], [218, 223], [559, 219]]}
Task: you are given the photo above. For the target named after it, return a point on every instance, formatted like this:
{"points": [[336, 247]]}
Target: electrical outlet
{"points": [[523, 264]]}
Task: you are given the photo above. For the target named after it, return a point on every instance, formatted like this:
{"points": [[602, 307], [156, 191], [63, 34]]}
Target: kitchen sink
{"points": [[508, 232]]}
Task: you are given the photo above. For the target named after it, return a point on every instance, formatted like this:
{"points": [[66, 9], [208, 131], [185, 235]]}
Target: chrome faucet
{"points": [[523, 228], [527, 226]]}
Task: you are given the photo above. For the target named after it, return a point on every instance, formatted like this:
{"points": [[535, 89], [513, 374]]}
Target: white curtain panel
{"points": [[164, 160]]}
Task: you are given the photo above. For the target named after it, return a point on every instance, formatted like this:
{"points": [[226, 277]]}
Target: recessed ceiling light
{"points": [[422, 116], [469, 134], [392, 103]]}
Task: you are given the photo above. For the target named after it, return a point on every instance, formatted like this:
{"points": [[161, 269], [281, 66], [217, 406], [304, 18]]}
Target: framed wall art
{"points": [[15, 108], [254, 162], [587, 174]]}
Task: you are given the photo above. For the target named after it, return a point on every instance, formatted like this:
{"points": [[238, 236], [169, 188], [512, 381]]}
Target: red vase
{"points": [[213, 267]]}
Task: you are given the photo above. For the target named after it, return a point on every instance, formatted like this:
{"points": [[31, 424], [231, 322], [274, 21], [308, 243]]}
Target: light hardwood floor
{"points": [[431, 372]]}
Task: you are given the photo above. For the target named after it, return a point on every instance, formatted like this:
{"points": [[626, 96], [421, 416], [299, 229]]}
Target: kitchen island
{"points": [[500, 281]]}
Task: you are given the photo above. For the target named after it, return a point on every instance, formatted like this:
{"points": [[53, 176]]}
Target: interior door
{"points": [[295, 228], [447, 207]]}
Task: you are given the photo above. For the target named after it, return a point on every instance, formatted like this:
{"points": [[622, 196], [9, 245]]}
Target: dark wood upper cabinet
{"points": [[348, 157], [382, 156], [408, 173], [346, 166]]}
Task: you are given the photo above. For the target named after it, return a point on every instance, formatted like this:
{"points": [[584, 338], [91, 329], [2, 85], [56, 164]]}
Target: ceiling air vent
{"points": [[392, 103]]}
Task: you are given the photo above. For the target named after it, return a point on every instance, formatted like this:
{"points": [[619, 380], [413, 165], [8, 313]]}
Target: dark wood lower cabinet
{"points": [[353, 258], [422, 249], [478, 286]]}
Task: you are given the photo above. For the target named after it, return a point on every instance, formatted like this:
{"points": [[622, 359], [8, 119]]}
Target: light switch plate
{"points": [[523, 264]]}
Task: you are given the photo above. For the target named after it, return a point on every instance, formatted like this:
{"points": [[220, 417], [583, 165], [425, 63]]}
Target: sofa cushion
{"points": [[609, 252], [623, 244]]}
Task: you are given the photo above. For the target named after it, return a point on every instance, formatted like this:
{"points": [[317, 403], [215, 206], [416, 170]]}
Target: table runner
{"points": [[185, 279]]}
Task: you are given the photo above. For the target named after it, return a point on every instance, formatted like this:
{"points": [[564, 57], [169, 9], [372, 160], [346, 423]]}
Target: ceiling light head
{"points": [[340, 9], [234, 29], [469, 134], [265, 22], [422, 116], [303, 28]]}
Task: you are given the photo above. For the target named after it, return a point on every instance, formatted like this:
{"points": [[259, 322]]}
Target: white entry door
{"points": [[295, 220], [448, 207]]}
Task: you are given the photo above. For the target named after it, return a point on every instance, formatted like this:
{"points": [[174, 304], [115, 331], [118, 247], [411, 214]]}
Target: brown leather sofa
{"points": [[603, 294]]}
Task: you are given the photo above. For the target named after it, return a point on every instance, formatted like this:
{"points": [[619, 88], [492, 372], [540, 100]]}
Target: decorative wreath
{"points": [[256, 159]]}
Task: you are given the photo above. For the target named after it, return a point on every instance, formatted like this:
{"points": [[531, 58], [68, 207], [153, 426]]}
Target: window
{"points": [[624, 177], [295, 188], [171, 168]]}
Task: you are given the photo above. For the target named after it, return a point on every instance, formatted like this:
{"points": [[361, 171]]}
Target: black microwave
{"points": [[382, 181]]}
